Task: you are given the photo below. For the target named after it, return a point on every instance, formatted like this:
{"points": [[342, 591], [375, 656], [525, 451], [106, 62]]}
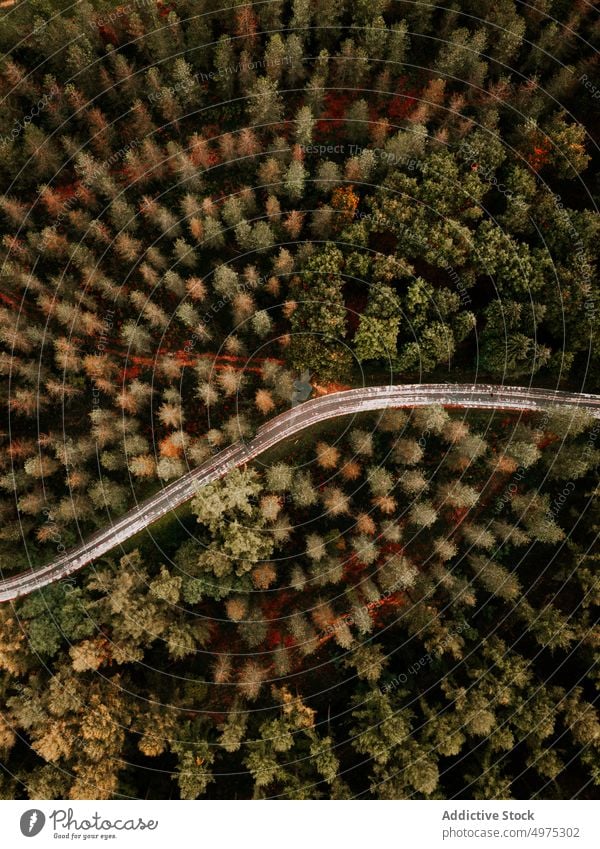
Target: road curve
{"points": [[287, 424]]}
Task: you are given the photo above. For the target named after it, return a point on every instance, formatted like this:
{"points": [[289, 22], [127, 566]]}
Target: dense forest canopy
{"points": [[203, 206]]}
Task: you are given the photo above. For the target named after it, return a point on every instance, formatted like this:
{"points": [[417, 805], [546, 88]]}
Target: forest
{"points": [[205, 208]]}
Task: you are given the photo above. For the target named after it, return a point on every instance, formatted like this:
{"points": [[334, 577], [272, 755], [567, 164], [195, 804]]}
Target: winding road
{"points": [[287, 424]]}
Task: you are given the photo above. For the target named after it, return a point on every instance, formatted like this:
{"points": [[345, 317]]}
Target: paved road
{"points": [[282, 426]]}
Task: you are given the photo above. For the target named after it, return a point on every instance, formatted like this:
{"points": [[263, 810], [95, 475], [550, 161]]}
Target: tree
{"points": [[328, 456], [222, 507], [361, 442], [303, 491], [380, 480], [328, 176], [495, 578], [458, 494], [318, 323], [279, 477], [275, 57], [436, 345], [376, 338], [294, 179], [264, 103], [505, 348], [357, 121], [301, 15], [304, 126], [533, 510], [261, 323], [264, 401], [136, 337], [408, 452], [193, 765], [335, 501], [230, 380], [460, 56], [422, 514]]}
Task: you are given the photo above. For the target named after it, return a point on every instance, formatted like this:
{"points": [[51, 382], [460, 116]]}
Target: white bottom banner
{"points": [[300, 825]]}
